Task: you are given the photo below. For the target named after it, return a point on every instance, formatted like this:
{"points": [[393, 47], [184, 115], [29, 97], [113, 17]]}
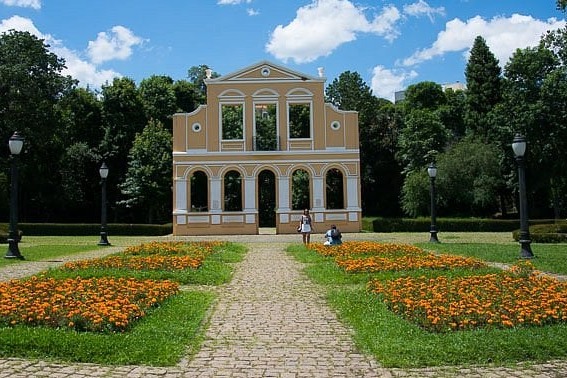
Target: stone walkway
{"points": [[269, 321]]}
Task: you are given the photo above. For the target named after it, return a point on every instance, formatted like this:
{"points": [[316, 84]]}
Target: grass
{"points": [[167, 334], [41, 248], [396, 342], [549, 257], [162, 338]]}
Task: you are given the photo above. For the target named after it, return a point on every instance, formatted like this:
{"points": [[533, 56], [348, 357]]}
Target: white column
{"points": [[353, 193], [318, 194], [283, 199], [215, 194], [283, 194], [249, 194], [180, 195]]}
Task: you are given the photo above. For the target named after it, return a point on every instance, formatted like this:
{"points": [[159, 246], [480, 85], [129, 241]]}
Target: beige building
{"points": [[263, 148]]}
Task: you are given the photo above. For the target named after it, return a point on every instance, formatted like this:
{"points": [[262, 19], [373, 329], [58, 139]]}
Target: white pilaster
{"points": [[180, 195], [215, 195], [249, 193]]}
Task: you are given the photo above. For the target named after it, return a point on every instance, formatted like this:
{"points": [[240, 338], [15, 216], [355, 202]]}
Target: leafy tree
{"points": [[379, 125], [554, 98], [147, 187], [158, 97], [425, 95], [187, 96], [523, 111], [30, 85], [452, 112], [483, 89], [422, 138], [470, 178], [197, 76], [415, 194], [80, 112], [78, 168], [561, 5], [123, 117]]}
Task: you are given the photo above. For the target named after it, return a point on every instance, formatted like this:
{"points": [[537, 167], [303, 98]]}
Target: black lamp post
{"points": [[103, 175], [519, 147], [432, 172], [16, 142]]}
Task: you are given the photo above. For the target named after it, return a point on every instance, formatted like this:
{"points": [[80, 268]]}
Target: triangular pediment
{"points": [[265, 71]]}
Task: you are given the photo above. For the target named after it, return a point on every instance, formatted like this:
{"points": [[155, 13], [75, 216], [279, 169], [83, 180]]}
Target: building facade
{"points": [[263, 148]]}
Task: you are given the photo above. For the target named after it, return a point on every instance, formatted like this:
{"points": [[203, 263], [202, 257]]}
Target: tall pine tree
{"points": [[484, 89]]}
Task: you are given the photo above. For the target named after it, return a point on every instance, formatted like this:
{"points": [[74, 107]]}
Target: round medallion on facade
{"points": [[196, 127], [335, 125], [265, 71]]}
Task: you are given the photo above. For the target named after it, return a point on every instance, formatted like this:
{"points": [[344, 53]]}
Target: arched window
{"points": [[334, 189], [232, 191], [300, 198], [199, 191]]}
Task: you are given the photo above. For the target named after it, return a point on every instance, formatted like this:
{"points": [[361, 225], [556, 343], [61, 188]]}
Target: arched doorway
{"points": [[267, 199]]}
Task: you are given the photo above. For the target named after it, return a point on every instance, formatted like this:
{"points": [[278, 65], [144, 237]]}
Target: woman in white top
{"points": [[305, 226]]}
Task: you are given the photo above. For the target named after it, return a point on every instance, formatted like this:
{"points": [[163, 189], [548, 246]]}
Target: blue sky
{"points": [[391, 44]]}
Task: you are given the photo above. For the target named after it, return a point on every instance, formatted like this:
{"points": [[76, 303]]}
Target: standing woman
{"points": [[305, 226]]}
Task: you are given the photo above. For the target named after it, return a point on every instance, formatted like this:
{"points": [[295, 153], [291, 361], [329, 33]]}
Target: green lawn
{"points": [[396, 342], [168, 333]]}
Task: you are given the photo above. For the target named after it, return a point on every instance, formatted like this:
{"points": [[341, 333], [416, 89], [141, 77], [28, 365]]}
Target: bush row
{"points": [[546, 233], [447, 224], [73, 229]]}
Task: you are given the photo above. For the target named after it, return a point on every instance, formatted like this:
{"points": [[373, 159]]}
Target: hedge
{"points": [[448, 224], [74, 229], [546, 233]]}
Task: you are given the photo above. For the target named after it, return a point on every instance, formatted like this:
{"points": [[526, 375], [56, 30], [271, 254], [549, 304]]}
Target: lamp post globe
{"points": [[15, 143], [519, 147], [103, 172], [432, 172]]}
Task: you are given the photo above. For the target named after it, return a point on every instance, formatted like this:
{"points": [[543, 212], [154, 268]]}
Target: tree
{"points": [[483, 89], [147, 187], [187, 96], [123, 117], [425, 95], [30, 85], [379, 122], [158, 98], [421, 139], [561, 5], [197, 76], [452, 112], [524, 111]]}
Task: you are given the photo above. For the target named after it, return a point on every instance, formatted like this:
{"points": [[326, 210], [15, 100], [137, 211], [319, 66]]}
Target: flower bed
{"points": [[427, 261], [154, 262], [168, 256], [101, 305], [512, 298], [361, 248], [174, 248], [375, 257]]}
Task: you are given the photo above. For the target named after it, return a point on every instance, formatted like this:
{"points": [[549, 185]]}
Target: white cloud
{"points": [[233, 2], [35, 4], [322, 26], [385, 81], [503, 36], [116, 44], [252, 12], [86, 72], [422, 8]]}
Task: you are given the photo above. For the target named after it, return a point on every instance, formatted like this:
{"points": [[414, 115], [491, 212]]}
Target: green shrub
{"points": [[448, 224], [72, 229], [546, 233]]}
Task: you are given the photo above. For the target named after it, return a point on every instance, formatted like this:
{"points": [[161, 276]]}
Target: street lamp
{"points": [[519, 147], [103, 171], [432, 172], [16, 142]]}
